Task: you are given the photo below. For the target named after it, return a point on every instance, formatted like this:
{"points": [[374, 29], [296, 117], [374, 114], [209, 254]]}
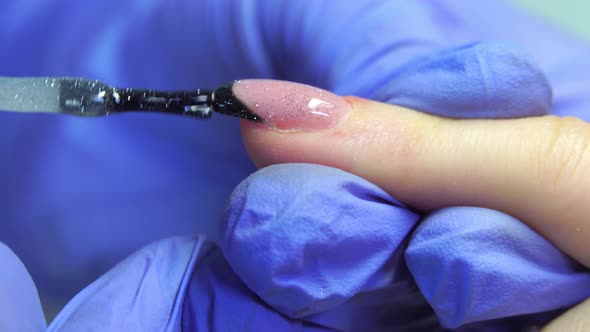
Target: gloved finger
{"points": [[371, 48], [430, 162], [408, 60], [20, 309], [142, 293], [474, 264], [217, 300], [479, 80], [177, 284], [307, 238]]}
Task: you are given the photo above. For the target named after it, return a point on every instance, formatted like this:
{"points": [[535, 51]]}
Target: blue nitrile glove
{"points": [[20, 309], [307, 238], [312, 248], [78, 195], [315, 248]]}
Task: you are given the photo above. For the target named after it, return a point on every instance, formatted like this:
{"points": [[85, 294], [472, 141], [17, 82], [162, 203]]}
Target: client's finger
{"points": [[575, 320], [536, 169]]}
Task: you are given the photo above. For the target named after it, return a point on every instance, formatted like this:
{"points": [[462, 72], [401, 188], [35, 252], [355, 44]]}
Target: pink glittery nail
{"points": [[291, 106]]}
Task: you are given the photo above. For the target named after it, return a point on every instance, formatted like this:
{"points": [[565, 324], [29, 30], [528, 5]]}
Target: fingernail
{"points": [[283, 105]]}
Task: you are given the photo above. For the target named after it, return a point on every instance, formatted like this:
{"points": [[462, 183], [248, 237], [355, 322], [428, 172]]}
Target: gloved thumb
{"points": [[20, 308], [535, 169]]}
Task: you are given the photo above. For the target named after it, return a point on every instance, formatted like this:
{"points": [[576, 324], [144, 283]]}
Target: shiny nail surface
{"points": [[291, 106]]}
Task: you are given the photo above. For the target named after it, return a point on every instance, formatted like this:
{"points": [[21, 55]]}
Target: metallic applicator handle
{"points": [[85, 97]]}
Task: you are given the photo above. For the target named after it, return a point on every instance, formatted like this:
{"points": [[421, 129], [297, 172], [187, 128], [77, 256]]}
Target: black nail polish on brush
{"points": [[84, 97], [196, 103], [224, 101]]}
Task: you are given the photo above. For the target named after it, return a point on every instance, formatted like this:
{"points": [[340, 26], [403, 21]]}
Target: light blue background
{"points": [[571, 14]]}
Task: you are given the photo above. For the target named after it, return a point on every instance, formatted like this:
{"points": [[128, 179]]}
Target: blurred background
{"points": [[570, 14]]}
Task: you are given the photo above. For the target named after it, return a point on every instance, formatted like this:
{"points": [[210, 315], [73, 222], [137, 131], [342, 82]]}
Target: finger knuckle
{"points": [[564, 159]]}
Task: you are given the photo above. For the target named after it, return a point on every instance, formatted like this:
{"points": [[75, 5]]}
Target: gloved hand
{"points": [[324, 246], [324, 249], [312, 248], [102, 188]]}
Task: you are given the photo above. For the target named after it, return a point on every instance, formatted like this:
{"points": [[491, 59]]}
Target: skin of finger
{"points": [[576, 319], [536, 169]]}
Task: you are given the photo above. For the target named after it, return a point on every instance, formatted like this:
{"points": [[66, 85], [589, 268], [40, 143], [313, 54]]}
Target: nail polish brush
{"points": [[83, 97], [279, 104]]}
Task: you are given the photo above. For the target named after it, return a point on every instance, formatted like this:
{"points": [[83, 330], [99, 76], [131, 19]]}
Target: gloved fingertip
{"points": [[479, 80], [306, 238], [474, 264]]}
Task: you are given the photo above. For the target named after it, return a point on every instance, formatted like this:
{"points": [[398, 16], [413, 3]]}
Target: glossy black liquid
{"points": [[84, 97], [93, 98], [224, 101]]}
